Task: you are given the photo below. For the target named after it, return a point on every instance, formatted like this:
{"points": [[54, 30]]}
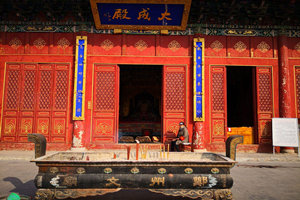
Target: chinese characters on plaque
{"points": [[142, 15]]}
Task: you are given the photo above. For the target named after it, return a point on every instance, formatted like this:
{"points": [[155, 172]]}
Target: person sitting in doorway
{"points": [[182, 137]]}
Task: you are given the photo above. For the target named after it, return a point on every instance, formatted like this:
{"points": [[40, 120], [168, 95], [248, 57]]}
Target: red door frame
{"points": [[262, 132]]}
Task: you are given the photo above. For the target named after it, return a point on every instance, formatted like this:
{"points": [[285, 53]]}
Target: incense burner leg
{"points": [[40, 143], [231, 143]]}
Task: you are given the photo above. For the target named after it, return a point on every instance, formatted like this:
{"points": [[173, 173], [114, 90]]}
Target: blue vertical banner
{"points": [[199, 79], [79, 78]]}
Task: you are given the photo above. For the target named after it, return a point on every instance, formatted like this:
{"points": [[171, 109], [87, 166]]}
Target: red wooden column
{"points": [[78, 134], [285, 97], [198, 136], [285, 100]]}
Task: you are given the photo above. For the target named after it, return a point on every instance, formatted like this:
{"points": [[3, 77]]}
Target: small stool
{"points": [[186, 147]]}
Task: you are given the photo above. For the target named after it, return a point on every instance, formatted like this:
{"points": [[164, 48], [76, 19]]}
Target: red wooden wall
{"points": [[41, 54], [36, 71]]}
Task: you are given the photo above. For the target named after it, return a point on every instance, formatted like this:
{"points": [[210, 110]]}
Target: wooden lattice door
{"points": [[218, 103], [105, 104], [264, 103], [174, 99], [35, 101]]}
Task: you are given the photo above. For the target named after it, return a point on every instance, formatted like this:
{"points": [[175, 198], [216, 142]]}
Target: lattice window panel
{"points": [[61, 90], [175, 91], [29, 90], [298, 90], [45, 90], [218, 97], [265, 92], [105, 91], [12, 90]]}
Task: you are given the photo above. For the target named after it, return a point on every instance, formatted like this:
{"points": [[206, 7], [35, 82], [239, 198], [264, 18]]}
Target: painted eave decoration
{"points": [[141, 14]]}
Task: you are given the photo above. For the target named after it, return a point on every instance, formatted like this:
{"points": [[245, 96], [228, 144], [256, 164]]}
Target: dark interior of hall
{"points": [[240, 96], [140, 100]]}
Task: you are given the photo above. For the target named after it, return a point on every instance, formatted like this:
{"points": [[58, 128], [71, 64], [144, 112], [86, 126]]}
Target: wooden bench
{"points": [[186, 147]]}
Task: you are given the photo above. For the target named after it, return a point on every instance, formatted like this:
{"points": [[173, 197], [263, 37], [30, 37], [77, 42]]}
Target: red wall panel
{"points": [[142, 45], [215, 46], [63, 43], [294, 47], [262, 47], [238, 46], [103, 44], [39, 43], [15, 43], [2, 42], [174, 46]]}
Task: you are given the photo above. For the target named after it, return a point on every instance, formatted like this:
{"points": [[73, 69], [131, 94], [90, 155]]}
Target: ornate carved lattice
{"points": [[265, 92], [174, 46], [218, 92], [240, 46], [105, 91], [107, 45], [29, 90], [39, 43], [298, 90], [63, 43], [61, 90], [216, 46], [175, 91], [12, 90], [45, 89], [263, 47], [141, 45], [15, 43]]}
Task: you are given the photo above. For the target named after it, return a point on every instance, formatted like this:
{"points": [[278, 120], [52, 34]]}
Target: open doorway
{"points": [[140, 103], [241, 102]]}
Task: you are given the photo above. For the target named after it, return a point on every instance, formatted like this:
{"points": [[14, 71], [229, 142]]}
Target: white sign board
{"points": [[285, 132]]}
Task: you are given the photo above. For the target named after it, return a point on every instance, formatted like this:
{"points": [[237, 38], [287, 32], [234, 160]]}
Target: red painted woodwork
{"points": [[103, 44], [198, 136], [238, 47], [174, 46], [218, 103], [35, 100], [144, 45], [39, 43], [285, 101], [262, 47], [120, 49], [174, 99], [63, 43], [15, 43], [294, 47], [215, 46], [264, 104], [297, 86], [105, 104]]}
